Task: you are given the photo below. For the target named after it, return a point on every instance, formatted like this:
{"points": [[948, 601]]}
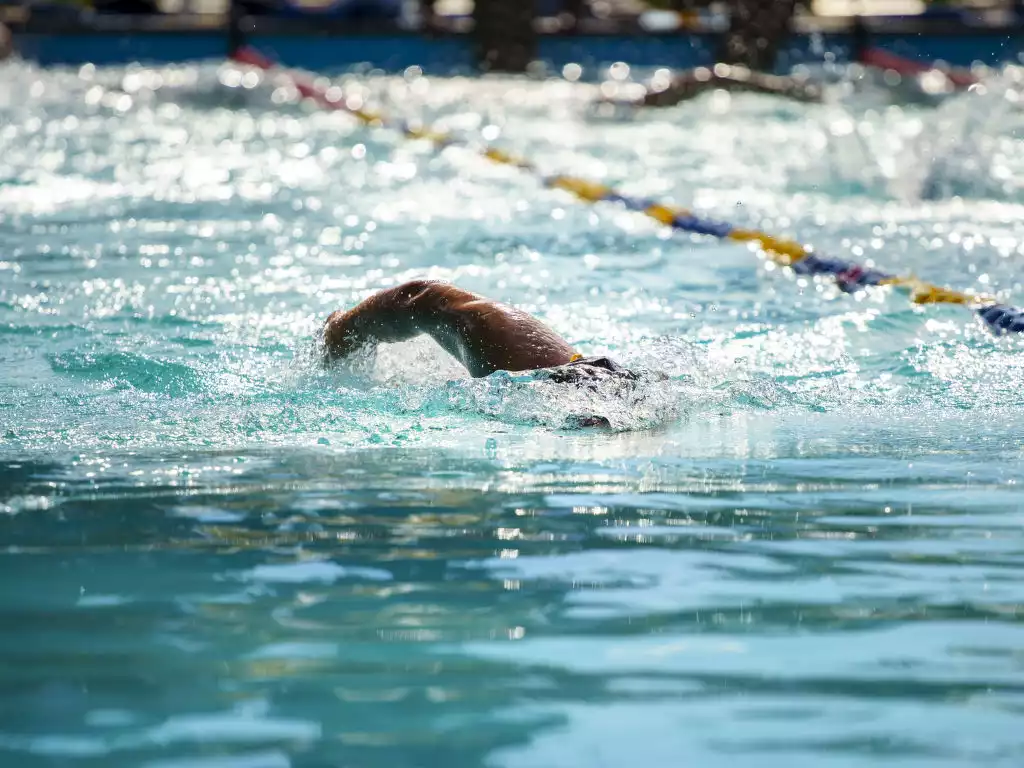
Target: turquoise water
{"points": [[804, 548]]}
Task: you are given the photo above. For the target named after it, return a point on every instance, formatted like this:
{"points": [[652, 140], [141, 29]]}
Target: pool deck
{"points": [[329, 45]]}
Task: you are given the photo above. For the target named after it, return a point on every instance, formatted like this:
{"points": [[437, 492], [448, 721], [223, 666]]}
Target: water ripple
{"points": [[799, 542]]}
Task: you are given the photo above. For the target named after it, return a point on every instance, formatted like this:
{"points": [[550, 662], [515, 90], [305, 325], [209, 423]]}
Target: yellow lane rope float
{"points": [[848, 275]]}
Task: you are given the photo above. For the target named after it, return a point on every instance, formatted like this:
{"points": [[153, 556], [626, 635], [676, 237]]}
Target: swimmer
{"points": [[725, 77], [484, 335]]}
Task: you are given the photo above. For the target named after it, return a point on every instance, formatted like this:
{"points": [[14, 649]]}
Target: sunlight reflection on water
{"points": [[803, 546]]}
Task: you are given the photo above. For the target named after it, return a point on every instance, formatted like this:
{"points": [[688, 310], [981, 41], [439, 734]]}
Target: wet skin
{"points": [[484, 335]]}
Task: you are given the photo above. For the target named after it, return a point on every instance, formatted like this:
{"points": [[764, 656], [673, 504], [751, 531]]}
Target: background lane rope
{"points": [[848, 275]]}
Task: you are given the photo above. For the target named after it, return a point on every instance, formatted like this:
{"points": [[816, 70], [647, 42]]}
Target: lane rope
{"points": [[848, 275], [882, 59]]}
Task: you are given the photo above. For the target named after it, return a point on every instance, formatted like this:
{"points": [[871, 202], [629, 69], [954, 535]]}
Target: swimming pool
{"points": [[805, 548]]}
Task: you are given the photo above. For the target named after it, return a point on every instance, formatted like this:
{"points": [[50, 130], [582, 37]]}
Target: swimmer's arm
{"points": [[789, 86], [483, 335], [389, 315], [690, 84]]}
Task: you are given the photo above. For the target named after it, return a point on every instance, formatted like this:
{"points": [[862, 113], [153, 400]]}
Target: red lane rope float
{"points": [[848, 275], [881, 59]]}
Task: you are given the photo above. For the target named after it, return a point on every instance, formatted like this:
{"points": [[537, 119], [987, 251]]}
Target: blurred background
{"points": [[804, 547], [505, 35]]}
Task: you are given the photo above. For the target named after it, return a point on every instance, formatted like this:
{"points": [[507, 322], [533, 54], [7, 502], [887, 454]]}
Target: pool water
{"points": [[804, 547]]}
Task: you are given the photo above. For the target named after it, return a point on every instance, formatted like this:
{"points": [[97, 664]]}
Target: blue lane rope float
{"points": [[848, 275]]}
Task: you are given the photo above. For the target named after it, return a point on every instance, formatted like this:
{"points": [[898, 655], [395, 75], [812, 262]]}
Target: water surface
{"points": [[803, 548]]}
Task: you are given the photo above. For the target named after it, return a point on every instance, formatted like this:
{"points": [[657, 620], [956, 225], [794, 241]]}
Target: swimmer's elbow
{"points": [[421, 285], [426, 304], [422, 295]]}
